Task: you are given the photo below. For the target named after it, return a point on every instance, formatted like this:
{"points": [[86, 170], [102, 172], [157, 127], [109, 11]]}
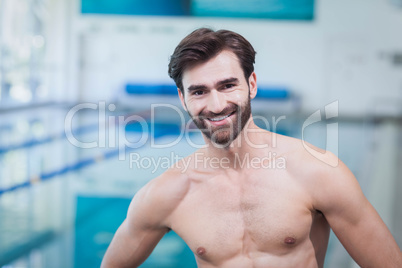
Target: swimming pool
{"points": [[60, 205]]}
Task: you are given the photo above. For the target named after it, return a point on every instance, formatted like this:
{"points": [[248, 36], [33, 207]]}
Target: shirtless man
{"points": [[249, 215]]}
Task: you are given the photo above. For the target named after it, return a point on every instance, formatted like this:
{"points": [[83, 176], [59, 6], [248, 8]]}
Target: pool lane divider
{"points": [[34, 240], [160, 130], [78, 131]]}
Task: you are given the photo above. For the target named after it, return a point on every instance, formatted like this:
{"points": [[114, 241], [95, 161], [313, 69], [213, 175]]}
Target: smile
{"points": [[220, 118]]}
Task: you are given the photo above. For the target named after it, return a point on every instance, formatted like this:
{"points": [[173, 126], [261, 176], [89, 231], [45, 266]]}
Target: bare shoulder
{"points": [[159, 198], [305, 158], [321, 172]]}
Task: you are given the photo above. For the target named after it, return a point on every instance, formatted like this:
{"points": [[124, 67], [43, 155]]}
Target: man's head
{"points": [[202, 45], [214, 75]]}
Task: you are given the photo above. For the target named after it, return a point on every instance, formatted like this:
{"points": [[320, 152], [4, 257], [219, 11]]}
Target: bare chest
{"points": [[222, 218]]}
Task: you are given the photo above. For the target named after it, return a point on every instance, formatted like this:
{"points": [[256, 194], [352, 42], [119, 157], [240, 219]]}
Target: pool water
{"points": [[97, 219]]}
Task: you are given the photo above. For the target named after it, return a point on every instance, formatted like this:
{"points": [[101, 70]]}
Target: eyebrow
{"points": [[219, 83]]}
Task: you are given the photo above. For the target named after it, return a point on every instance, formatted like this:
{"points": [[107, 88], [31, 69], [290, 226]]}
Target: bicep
{"points": [[354, 220], [131, 245], [139, 233], [365, 236]]}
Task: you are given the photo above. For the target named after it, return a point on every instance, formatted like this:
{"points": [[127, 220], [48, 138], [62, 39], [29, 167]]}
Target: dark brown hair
{"points": [[202, 45]]}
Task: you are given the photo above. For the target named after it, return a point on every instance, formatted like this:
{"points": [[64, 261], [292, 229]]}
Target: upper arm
{"points": [[140, 232], [131, 246], [353, 219]]}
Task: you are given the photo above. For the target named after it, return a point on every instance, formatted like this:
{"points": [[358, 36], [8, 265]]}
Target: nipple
{"points": [[290, 240], [201, 251]]}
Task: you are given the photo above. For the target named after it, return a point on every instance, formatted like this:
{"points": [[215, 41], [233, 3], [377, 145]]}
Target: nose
{"points": [[216, 102]]}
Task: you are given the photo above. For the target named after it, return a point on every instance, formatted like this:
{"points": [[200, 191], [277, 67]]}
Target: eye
{"points": [[198, 93], [227, 86]]}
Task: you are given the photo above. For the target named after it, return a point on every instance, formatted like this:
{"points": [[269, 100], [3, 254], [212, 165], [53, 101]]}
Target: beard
{"points": [[223, 135]]}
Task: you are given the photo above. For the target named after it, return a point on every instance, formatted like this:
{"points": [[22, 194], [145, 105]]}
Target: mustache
{"points": [[228, 110]]}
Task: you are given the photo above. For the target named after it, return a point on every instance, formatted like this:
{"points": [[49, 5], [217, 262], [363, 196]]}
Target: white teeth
{"points": [[219, 118]]}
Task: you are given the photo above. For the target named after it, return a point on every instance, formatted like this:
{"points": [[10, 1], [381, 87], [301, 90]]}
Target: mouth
{"points": [[220, 119]]}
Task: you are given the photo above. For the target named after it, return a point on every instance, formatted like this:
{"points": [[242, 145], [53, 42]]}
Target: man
{"points": [[231, 209]]}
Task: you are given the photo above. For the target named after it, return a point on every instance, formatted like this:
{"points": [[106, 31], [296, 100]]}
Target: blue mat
{"points": [[171, 90]]}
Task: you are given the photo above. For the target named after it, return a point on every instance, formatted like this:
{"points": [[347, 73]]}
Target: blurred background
{"points": [[77, 78]]}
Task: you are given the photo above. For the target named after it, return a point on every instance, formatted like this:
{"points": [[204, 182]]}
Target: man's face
{"points": [[217, 97]]}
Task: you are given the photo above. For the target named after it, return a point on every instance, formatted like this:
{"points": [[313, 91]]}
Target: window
{"points": [[22, 51]]}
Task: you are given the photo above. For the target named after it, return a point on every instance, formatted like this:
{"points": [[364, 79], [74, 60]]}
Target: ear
{"points": [[182, 99], [252, 81]]}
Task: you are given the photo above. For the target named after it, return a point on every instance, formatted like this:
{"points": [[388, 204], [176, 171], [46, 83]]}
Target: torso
{"points": [[250, 218]]}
